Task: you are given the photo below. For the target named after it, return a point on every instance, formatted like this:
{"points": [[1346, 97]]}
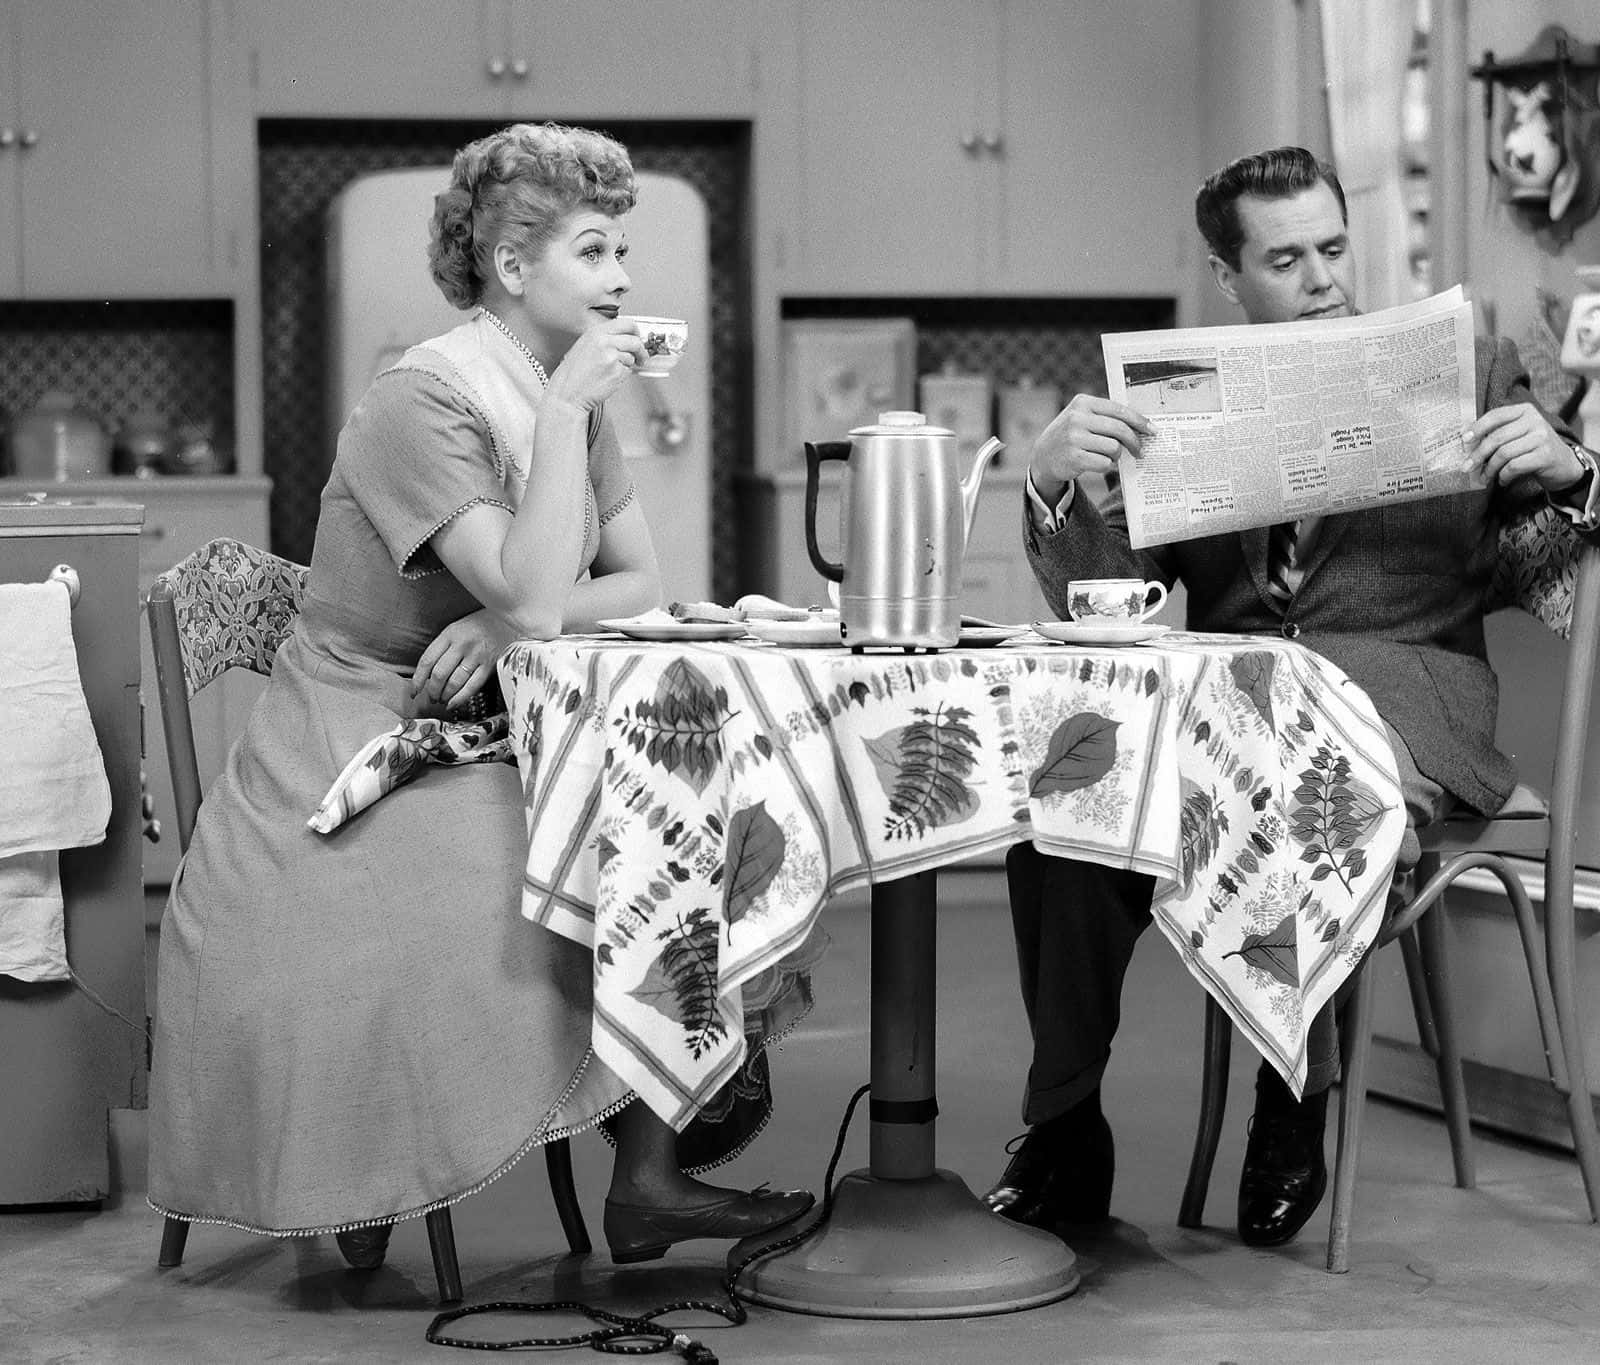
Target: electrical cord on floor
{"points": [[640, 1334]]}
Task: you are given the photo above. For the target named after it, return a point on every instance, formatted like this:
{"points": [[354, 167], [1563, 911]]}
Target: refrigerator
{"points": [[382, 300]]}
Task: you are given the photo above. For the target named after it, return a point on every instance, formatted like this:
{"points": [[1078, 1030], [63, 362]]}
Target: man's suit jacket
{"points": [[1393, 596]]}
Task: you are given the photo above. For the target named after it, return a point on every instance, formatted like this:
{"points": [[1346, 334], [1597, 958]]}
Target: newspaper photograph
{"points": [[1261, 423]]}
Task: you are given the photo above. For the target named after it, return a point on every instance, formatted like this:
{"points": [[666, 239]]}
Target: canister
{"points": [[1026, 408], [964, 403]]}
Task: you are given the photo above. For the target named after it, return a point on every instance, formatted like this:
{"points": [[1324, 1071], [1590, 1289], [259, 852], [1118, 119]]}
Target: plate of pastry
{"points": [[664, 626], [1100, 632]]}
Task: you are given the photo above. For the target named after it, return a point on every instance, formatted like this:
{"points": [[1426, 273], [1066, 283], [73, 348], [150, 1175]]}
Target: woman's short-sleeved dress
{"points": [[362, 1025]]}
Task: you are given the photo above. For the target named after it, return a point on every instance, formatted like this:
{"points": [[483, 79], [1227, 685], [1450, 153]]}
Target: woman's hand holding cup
{"points": [[597, 363]]}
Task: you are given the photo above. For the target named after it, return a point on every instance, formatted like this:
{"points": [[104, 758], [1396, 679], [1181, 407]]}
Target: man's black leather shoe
{"points": [[1060, 1172], [1284, 1178]]}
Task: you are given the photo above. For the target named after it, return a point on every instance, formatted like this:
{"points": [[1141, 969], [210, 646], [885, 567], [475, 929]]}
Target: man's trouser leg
{"points": [[1076, 924]]}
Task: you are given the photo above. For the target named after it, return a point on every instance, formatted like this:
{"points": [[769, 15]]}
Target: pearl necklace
{"points": [[516, 341]]}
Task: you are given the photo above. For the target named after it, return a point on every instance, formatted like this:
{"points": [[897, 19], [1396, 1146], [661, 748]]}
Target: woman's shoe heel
{"points": [[633, 1255]]}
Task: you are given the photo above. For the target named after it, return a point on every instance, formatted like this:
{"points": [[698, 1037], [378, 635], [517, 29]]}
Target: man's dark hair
{"points": [[1279, 174]]}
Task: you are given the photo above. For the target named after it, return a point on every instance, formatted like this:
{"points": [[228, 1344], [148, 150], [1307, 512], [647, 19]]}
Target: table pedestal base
{"points": [[924, 1248]]}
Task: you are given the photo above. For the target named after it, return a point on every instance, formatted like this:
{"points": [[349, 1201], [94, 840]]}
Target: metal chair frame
{"points": [[175, 689], [1451, 847]]}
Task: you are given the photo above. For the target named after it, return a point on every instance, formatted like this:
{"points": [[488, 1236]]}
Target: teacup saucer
{"points": [[1099, 632]]}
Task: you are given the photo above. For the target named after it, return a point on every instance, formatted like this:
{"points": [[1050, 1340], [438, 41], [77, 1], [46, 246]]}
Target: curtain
{"points": [[1366, 44]]}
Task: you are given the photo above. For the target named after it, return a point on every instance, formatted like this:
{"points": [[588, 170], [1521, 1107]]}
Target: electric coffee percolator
{"points": [[904, 520]]}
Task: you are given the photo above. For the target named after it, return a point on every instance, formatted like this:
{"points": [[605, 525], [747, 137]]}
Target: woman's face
{"points": [[579, 278]]}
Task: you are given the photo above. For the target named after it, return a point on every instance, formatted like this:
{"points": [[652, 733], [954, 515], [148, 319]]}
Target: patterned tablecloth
{"points": [[691, 808]]}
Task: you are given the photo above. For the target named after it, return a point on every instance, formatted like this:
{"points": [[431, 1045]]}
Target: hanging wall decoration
{"points": [[1542, 128]]}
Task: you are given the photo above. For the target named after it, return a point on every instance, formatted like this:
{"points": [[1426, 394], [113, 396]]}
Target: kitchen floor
{"points": [[1509, 1271]]}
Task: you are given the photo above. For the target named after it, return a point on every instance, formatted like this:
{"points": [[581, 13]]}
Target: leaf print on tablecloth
{"points": [[755, 853], [923, 768], [1252, 675], [1201, 821], [1274, 952], [1082, 750], [681, 982], [1334, 817], [680, 728]]}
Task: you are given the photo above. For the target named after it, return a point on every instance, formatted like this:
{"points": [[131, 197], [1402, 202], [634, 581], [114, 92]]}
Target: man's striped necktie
{"points": [[1283, 572]]}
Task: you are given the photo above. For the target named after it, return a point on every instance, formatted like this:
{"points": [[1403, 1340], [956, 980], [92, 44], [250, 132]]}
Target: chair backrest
{"points": [[1554, 575], [227, 605]]}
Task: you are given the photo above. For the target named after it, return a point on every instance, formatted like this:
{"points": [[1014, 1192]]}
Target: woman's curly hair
{"points": [[518, 185]]}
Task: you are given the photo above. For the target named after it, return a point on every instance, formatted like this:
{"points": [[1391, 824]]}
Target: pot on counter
{"points": [[56, 440]]}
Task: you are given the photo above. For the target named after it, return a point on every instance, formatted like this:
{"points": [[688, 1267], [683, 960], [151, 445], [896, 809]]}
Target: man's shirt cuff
{"points": [[1048, 520]]}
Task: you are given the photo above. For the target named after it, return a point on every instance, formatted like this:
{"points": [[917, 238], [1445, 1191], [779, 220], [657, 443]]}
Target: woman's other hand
{"points": [[456, 665], [596, 364]]}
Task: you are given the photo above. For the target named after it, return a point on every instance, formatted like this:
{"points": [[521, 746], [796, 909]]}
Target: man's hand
{"points": [[1515, 441], [458, 663], [1085, 437]]}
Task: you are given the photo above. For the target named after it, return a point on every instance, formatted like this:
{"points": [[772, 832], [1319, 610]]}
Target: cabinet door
{"points": [[402, 58], [892, 201], [632, 59], [115, 190], [10, 152], [1101, 204]]}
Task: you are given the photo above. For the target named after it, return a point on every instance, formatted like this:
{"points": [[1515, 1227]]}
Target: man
{"points": [[1394, 596]]}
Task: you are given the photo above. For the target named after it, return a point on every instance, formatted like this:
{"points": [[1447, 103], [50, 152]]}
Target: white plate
{"points": [[796, 633], [1099, 632], [676, 630]]}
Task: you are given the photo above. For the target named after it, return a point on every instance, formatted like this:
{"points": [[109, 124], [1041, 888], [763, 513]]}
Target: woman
{"points": [[362, 1027]]}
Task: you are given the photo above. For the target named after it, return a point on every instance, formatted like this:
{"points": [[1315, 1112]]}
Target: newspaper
{"points": [[1270, 422]]}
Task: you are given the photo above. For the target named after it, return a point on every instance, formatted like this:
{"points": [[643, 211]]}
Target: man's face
{"points": [[1295, 261]]}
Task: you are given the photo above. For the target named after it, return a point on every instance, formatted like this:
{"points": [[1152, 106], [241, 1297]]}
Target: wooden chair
{"points": [[1556, 578], [230, 605]]}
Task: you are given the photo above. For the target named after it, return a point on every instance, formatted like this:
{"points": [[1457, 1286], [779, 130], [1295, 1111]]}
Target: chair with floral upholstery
{"points": [[230, 605], [1555, 577]]}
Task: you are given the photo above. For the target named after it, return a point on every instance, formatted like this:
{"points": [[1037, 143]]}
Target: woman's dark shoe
{"points": [[639, 1232], [1285, 1170], [1060, 1172], [364, 1248]]}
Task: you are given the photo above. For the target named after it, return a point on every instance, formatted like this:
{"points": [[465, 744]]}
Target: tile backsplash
{"points": [[116, 357]]}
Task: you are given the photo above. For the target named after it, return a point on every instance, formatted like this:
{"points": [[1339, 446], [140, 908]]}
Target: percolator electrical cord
{"points": [[641, 1334]]}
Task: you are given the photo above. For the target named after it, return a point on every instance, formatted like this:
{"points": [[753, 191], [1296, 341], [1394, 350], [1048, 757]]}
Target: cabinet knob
{"points": [[519, 68], [29, 138], [969, 143], [497, 68], [993, 143], [8, 137]]}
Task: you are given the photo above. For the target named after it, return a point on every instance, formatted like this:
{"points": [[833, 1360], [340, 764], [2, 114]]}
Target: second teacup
{"points": [[664, 340], [1127, 600]]}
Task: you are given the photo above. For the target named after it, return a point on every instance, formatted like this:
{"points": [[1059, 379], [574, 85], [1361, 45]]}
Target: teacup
{"points": [[1122, 600], [664, 340]]}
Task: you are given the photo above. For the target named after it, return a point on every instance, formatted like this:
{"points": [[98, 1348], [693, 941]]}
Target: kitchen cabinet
{"points": [[106, 151], [67, 1058], [997, 582], [502, 58], [1016, 147]]}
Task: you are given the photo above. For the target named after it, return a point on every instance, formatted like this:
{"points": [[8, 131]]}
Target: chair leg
{"points": [[1417, 982], [1560, 950], [1355, 1037], [442, 1242], [1213, 1100], [558, 1158], [1431, 933], [174, 1237]]}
